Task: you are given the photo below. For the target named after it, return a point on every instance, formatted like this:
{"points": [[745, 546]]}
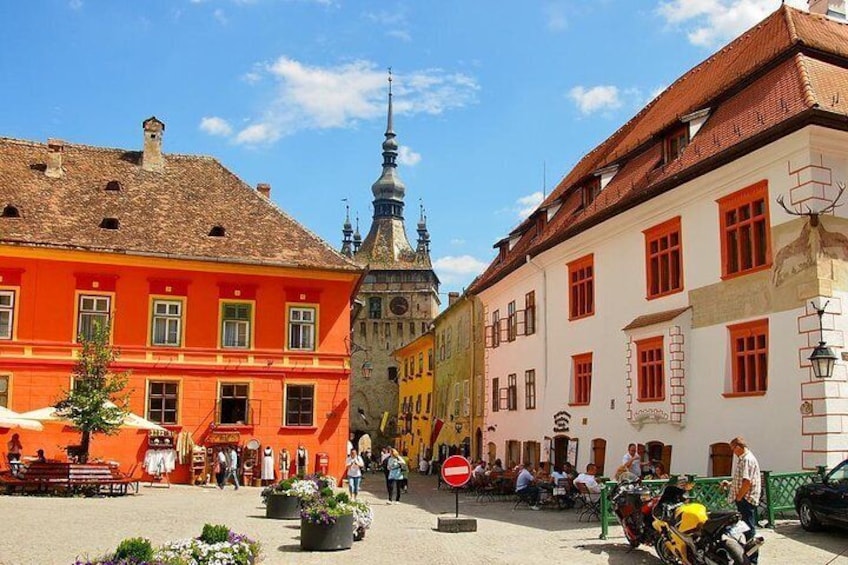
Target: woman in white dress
{"points": [[267, 465]]}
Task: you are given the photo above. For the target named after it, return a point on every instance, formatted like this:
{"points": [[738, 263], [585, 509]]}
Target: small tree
{"points": [[86, 404]]}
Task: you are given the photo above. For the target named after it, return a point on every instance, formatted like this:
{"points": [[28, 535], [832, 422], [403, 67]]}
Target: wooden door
{"points": [[560, 450], [721, 460], [599, 454]]}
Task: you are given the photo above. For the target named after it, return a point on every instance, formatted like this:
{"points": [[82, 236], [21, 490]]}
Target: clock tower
{"points": [[398, 299]]}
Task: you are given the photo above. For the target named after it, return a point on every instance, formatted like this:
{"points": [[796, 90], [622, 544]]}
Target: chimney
{"points": [[452, 298], [834, 9], [55, 148], [152, 159], [264, 189]]}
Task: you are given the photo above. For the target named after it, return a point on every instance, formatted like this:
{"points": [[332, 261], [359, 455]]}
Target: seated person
{"points": [[660, 472], [39, 456], [557, 475], [498, 467], [588, 479], [524, 485], [480, 469], [423, 466], [569, 471]]}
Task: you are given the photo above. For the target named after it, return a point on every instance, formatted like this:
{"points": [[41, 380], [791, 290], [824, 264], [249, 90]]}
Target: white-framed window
{"points": [[302, 328], [235, 326], [7, 313], [167, 322], [93, 310]]}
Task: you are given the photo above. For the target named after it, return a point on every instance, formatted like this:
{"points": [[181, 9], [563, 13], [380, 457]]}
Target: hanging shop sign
{"points": [[218, 438]]}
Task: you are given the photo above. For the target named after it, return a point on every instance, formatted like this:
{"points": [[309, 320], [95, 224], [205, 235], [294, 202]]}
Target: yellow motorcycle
{"points": [[688, 535]]}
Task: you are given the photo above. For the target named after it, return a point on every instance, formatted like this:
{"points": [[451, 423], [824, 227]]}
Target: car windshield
{"points": [[840, 473]]}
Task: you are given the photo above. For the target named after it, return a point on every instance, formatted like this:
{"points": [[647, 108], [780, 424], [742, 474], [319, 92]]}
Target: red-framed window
{"points": [[582, 368], [581, 284], [745, 231], [651, 382], [530, 313], [664, 259], [749, 357]]}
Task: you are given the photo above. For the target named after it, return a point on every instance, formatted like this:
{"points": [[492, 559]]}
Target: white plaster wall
{"points": [[772, 423]]}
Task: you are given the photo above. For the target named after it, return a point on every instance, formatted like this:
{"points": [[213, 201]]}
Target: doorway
{"points": [[492, 453], [599, 454], [478, 445], [721, 460]]}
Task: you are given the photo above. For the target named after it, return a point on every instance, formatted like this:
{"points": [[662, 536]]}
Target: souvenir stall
{"points": [[217, 441], [161, 457], [250, 464]]}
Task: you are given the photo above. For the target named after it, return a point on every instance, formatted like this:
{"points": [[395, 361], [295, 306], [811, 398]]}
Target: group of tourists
{"points": [[394, 466]]}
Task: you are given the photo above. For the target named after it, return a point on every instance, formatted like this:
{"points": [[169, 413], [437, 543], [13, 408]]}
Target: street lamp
{"points": [[823, 358], [458, 427], [367, 369]]}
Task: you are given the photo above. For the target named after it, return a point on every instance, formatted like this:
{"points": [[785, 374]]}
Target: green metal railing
{"points": [[778, 494]]}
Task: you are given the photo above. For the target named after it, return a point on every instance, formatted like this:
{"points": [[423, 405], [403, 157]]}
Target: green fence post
{"points": [[605, 511], [770, 501]]}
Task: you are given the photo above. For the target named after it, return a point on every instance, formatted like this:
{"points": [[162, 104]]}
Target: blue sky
{"points": [[495, 100]]}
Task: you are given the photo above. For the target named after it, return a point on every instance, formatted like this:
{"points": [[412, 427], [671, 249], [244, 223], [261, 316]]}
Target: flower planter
{"points": [[282, 507], [327, 537]]}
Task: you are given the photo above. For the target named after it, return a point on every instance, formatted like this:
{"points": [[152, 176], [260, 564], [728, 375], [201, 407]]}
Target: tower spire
{"points": [[389, 190], [347, 231], [357, 237], [423, 234]]}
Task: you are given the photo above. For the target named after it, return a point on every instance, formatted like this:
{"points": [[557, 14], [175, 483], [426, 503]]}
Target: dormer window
{"points": [[110, 224], [540, 223], [10, 211], [217, 231], [590, 191], [675, 143], [113, 186], [502, 251]]}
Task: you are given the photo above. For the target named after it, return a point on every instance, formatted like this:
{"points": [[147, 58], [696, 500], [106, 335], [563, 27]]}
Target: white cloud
{"points": [[75, 4], [314, 97], [710, 23], [525, 205], [220, 16], [214, 125], [395, 22], [596, 98], [408, 157], [555, 15], [459, 269], [257, 134]]}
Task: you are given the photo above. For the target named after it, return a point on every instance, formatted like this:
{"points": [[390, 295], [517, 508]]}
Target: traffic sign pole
{"points": [[456, 471]]}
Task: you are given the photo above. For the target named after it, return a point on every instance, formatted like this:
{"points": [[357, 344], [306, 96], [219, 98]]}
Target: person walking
{"points": [[394, 466], [354, 466], [221, 464], [14, 449], [745, 486], [232, 467]]}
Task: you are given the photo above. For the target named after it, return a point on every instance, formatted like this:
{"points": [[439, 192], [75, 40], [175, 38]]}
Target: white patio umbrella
{"points": [[48, 414], [13, 420]]}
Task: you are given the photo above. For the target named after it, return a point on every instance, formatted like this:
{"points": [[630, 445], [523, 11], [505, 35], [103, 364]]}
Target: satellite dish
{"points": [[253, 444]]}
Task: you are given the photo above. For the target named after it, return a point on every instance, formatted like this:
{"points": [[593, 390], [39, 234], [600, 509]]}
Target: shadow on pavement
{"points": [[424, 494], [830, 539], [621, 554]]}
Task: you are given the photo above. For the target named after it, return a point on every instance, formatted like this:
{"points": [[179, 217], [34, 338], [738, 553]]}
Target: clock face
{"points": [[399, 306]]}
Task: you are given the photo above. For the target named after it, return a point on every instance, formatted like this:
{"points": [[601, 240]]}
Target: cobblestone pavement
{"points": [[40, 530]]}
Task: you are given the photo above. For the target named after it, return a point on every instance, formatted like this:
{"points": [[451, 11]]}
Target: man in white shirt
{"points": [[632, 461], [588, 479], [480, 469], [524, 486]]}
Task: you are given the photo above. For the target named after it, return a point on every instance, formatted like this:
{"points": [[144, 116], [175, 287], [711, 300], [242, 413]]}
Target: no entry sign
{"points": [[456, 471]]}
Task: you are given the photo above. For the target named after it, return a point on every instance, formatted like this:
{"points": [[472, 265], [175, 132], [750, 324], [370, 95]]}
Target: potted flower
{"points": [[327, 522], [362, 518], [284, 499]]}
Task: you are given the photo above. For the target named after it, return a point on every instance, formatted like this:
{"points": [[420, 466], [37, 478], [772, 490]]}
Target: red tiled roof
{"points": [[653, 319], [757, 84], [168, 213]]}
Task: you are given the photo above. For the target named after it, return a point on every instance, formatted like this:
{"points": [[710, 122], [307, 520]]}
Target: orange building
{"points": [[232, 318]]}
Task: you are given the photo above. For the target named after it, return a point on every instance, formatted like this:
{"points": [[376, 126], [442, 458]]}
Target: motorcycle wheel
{"points": [[664, 554], [735, 552]]}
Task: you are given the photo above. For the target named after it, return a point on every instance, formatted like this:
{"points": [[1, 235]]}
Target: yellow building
{"points": [[459, 398], [415, 397]]}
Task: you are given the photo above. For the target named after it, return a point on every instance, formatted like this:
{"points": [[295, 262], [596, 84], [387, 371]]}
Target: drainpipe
{"points": [[543, 300]]}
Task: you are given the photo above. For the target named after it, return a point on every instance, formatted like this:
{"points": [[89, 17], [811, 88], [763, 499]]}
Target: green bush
{"points": [[326, 492], [135, 549], [214, 534], [343, 497]]}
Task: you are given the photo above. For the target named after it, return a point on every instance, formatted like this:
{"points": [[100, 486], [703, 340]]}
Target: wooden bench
{"points": [[53, 478]]}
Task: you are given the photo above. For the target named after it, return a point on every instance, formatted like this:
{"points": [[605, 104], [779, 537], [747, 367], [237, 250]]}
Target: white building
{"points": [[661, 295]]}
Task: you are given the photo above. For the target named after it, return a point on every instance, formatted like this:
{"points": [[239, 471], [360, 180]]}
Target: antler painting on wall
{"points": [[814, 241]]}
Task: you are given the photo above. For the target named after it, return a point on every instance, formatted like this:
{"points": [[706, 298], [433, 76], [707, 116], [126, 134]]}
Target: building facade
{"points": [[231, 317], [415, 402], [671, 284], [398, 298], [459, 383]]}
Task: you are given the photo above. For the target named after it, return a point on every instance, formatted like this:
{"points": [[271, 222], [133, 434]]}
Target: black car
{"points": [[824, 501]]}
